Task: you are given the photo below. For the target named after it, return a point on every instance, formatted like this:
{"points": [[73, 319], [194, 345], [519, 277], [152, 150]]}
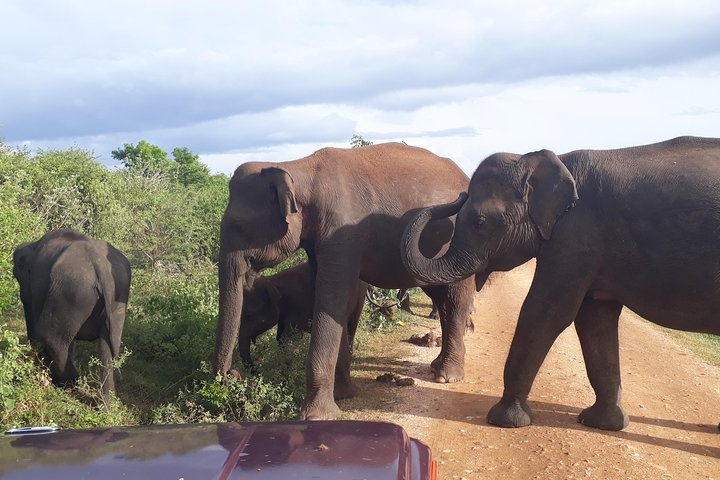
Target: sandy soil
{"points": [[671, 395]]}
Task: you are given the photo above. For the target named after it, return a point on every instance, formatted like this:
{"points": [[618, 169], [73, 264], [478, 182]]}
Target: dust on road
{"points": [[671, 395]]}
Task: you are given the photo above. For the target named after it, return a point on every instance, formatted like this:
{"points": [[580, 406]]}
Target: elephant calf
{"points": [[73, 287], [286, 299]]}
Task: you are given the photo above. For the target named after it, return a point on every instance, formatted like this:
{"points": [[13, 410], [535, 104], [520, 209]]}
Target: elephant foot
{"points": [[319, 408], [510, 413], [447, 371], [436, 364], [344, 391], [609, 417]]}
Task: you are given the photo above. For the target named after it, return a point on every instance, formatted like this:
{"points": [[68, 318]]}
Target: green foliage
{"points": [[228, 400], [358, 141], [145, 160], [27, 397], [172, 314], [189, 169], [17, 223], [69, 189], [293, 260], [274, 392], [15, 367], [385, 317]]}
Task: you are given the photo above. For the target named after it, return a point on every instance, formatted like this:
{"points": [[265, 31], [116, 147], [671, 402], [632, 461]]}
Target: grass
{"points": [[704, 345]]}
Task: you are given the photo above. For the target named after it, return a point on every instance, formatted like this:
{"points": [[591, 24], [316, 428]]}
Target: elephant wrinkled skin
{"points": [[347, 208], [635, 227], [73, 287]]}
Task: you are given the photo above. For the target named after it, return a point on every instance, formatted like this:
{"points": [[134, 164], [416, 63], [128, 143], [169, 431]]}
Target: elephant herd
{"points": [[635, 227]]}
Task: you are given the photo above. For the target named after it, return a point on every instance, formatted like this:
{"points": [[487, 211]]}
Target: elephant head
{"points": [[260, 228], [260, 312], [512, 205]]}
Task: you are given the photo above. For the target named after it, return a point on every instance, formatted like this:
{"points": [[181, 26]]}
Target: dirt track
{"points": [[671, 395]]}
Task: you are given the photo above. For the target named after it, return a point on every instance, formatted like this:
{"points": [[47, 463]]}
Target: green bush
{"points": [[274, 392], [27, 396]]}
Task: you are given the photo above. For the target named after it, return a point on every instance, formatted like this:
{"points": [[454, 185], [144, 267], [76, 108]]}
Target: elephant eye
{"points": [[480, 220]]}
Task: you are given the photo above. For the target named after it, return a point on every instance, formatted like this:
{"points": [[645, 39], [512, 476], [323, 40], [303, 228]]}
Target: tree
{"points": [[68, 189], [145, 159], [358, 141], [188, 167]]}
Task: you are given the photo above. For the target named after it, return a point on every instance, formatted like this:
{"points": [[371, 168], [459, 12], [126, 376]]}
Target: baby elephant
{"points": [[73, 287], [286, 299]]}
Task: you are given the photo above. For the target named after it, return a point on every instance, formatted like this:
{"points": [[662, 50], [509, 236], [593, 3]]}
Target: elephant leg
{"points": [[436, 294], [453, 303], [343, 383], [543, 316], [58, 356], [434, 313], [433, 293], [335, 284], [108, 377], [404, 297], [597, 329]]}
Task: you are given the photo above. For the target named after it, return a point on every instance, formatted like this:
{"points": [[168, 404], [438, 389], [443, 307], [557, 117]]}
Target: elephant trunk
{"points": [[231, 270], [457, 263]]}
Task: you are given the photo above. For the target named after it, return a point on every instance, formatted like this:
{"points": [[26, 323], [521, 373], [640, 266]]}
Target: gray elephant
{"points": [[286, 300], [73, 287], [348, 215], [635, 227]]}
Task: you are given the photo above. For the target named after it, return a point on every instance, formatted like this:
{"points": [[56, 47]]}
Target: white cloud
{"points": [[263, 77]]}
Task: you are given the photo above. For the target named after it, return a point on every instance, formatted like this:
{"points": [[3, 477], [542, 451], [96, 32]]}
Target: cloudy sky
{"points": [[276, 80]]}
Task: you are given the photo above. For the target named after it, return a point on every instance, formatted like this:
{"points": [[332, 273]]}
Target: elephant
{"points": [[73, 287], [635, 227], [286, 300], [341, 207]]}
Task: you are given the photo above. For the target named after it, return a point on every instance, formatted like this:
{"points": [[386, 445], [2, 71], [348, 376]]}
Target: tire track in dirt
{"points": [[671, 395]]}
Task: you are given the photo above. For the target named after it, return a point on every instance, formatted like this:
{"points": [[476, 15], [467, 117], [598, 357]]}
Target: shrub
{"points": [[274, 392], [28, 397]]}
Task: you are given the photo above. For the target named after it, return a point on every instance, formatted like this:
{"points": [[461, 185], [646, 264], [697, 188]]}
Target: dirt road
{"points": [[671, 395]]}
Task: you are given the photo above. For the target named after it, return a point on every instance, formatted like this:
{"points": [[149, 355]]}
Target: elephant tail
{"points": [[114, 288]]}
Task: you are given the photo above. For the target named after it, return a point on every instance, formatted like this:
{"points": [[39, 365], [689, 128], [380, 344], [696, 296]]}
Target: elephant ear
{"points": [[283, 185], [549, 189], [22, 258]]}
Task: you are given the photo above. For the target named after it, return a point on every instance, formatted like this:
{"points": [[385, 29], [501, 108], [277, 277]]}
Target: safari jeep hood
{"points": [[271, 450]]}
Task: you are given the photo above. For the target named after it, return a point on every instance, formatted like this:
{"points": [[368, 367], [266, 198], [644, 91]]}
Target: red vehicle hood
{"points": [[269, 450]]}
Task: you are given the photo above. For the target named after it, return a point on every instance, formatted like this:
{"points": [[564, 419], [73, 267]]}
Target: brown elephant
{"points": [[73, 287], [636, 227], [341, 207], [286, 299]]}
